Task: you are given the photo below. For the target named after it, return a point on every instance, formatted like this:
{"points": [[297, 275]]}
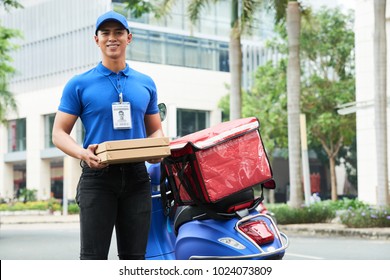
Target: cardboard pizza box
{"points": [[132, 144], [134, 150]]}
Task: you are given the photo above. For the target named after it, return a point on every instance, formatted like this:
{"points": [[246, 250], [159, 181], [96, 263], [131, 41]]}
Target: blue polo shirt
{"points": [[90, 96]]}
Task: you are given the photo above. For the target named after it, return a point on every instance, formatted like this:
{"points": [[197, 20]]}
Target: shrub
{"points": [[73, 208], [20, 206], [28, 195], [366, 217], [352, 213], [315, 213], [345, 204]]}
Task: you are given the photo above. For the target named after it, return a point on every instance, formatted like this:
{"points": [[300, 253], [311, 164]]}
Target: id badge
{"points": [[121, 115]]}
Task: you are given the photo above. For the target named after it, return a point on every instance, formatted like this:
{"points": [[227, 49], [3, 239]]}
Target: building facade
{"points": [[188, 64]]}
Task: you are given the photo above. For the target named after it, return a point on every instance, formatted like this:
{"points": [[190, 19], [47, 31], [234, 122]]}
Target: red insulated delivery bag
{"points": [[218, 165]]}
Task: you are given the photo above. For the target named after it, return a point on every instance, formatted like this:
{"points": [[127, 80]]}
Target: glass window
{"points": [[138, 49], [57, 179], [191, 56], [224, 57], [19, 178], [49, 121], [208, 54], [17, 135], [175, 50], [189, 121], [156, 47]]}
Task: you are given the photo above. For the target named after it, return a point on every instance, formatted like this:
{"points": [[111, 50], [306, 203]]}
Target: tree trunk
{"points": [[380, 102], [293, 97], [333, 178], [235, 64]]}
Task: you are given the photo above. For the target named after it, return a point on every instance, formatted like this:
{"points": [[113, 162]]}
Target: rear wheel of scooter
{"points": [[276, 257]]}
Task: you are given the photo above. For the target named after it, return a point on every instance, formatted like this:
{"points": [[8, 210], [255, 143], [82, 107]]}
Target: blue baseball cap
{"points": [[112, 16]]}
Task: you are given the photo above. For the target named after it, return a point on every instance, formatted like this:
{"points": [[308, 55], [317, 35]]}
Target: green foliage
{"points": [[28, 195], [73, 208], [21, 206], [327, 81], [352, 213], [7, 101], [140, 7], [366, 217], [315, 213], [8, 4], [52, 205], [346, 204], [268, 102]]}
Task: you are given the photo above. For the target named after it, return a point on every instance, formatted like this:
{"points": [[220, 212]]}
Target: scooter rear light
{"points": [[258, 231]]}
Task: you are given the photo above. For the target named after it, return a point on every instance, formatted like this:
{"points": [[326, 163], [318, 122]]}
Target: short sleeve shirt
{"points": [[90, 96]]}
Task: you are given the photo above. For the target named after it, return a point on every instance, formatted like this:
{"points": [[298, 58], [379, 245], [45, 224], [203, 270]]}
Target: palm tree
{"points": [[293, 96]]}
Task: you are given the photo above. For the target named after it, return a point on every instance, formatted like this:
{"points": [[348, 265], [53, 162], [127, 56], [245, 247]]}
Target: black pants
{"points": [[120, 196]]}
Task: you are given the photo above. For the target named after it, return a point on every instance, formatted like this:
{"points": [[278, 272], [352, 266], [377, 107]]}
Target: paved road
{"points": [[60, 241], [336, 248]]}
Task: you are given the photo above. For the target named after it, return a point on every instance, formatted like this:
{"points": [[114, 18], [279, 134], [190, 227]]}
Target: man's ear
{"points": [[96, 38], [129, 38]]}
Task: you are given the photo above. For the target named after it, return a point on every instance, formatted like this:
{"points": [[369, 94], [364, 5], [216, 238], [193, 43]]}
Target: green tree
{"points": [[328, 49], [327, 63], [7, 101]]}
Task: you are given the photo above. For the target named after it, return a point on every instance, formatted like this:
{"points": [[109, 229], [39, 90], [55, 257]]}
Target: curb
{"points": [[324, 229], [340, 230], [38, 219]]}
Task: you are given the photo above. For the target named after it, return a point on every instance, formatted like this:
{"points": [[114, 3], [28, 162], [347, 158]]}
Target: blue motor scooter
{"points": [[188, 233]]}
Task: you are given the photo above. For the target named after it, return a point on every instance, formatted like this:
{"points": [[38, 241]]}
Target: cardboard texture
{"points": [[132, 144], [135, 150]]}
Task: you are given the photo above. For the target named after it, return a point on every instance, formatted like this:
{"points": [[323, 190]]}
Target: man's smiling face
{"points": [[113, 38]]}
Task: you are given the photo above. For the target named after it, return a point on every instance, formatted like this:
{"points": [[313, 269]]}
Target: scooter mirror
{"points": [[162, 108], [269, 185]]}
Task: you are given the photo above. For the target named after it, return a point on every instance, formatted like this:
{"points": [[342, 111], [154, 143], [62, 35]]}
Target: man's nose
{"points": [[112, 36]]}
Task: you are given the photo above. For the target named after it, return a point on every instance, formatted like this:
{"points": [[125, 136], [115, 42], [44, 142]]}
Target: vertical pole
{"points": [[380, 101], [305, 160]]}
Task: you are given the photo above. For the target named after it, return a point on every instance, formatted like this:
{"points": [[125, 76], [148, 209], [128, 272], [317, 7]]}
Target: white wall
{"points": [[365, 117]]}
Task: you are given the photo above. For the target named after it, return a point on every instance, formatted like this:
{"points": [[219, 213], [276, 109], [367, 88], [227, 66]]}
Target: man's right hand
{"points": [[92, 159]]}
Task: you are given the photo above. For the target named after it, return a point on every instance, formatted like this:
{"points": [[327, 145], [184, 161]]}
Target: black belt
{"points": [[83, 164]]}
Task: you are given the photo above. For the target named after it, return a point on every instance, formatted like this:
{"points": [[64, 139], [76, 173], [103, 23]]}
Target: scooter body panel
{"points": [[161, 240], [219, 238], [208, 238]]}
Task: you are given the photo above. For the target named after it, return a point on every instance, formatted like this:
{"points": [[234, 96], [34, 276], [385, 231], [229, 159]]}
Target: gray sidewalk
{"points": [[37, 218], [325, 229], [335, 229]]}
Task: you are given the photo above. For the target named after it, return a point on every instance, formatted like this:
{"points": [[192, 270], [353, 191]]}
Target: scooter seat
{"points": [[231, 204], [187, 213]]}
